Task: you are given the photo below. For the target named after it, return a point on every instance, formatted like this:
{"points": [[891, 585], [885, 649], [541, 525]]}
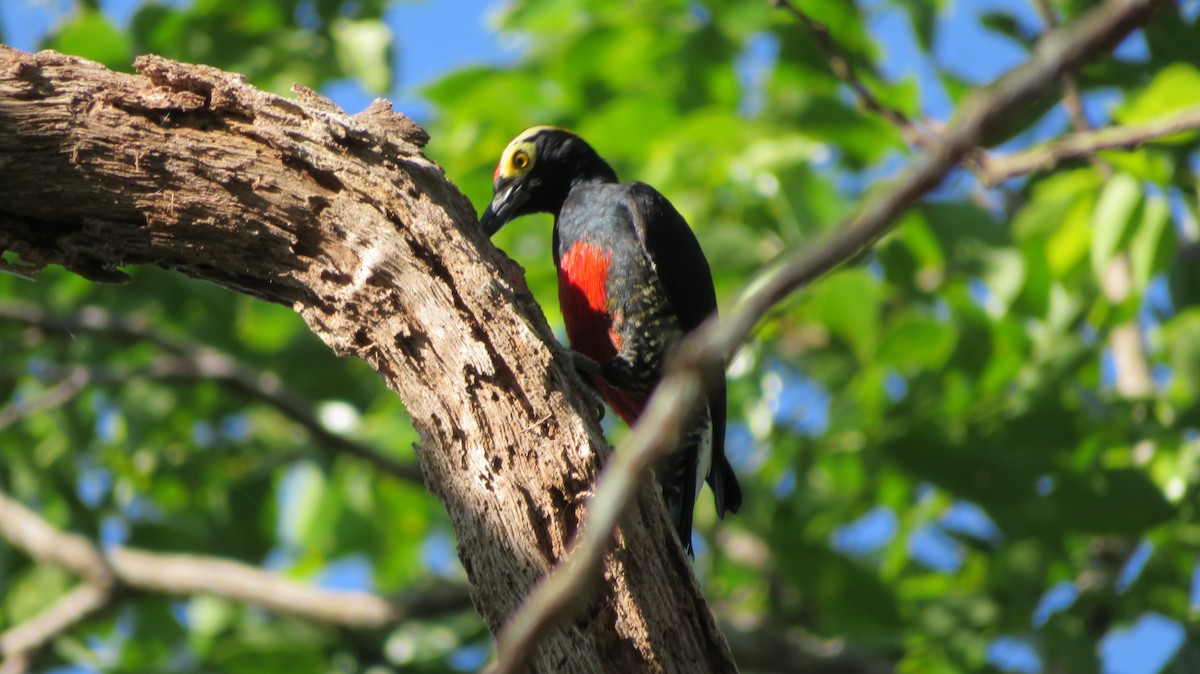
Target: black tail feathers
{"points": [[726, 491], [677, 477]]}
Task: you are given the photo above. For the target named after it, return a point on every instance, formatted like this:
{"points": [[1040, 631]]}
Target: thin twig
{"points": [[997, 169], [1072, 100], [200, 361], [72, 383], [913, 133], [654, 434]]}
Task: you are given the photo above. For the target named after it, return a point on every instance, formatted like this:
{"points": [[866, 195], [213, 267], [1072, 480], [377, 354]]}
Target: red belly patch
{"points": [[583, 297]]}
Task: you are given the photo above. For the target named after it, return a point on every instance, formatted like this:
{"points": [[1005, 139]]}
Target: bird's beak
{"points": [[504, 207]]}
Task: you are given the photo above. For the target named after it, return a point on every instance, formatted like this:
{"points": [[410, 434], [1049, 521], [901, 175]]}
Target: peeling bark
{"points": [[343, 219]]}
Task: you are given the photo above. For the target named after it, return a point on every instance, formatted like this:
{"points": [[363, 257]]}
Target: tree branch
{"points": [[199, 361], [997, 169], [343, 219], [655, 434], [46, 543], [764, 649], [1072, 101], [123, 567], [18, 642]]}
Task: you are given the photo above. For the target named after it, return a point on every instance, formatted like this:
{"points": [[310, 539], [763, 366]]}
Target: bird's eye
{"points": [[520, 160]]}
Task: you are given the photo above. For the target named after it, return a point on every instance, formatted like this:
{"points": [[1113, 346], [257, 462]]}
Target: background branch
{"points": [[176, 574], [195, 361], [18, 642], [122, 567], [913, 133], [1072, 100], [71, 383], [1044, 157], [655, 434]]}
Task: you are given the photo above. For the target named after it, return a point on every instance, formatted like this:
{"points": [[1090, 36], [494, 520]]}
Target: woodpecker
{"points": [[632, 281]]}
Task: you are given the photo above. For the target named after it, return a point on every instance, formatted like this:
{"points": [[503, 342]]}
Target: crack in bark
{"points": [[541, 524]]}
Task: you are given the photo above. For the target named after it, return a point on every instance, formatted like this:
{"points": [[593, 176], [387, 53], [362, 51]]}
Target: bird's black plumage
{"points": [[632, 281]]}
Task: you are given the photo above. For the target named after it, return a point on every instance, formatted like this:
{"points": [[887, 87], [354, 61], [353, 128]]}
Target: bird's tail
{"points": [[677, 477], [726, 491]]}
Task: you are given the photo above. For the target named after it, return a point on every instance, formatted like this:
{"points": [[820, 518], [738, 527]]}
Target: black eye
{"points": [[520, 160]]}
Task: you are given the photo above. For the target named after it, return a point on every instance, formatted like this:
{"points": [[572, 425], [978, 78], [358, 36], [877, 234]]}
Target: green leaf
{"points": [[1004, 273], [1067, 247], [1053, 199], [923, 16], [31, 592], [1183, 343], [1184, 279], [90, 35], [363, 50], [1123, 501], [208, 616], [1112, 221], [847, 304], [1005, 24], [1154, 242], [916, 341], [1145, 163], [1174, 88]]}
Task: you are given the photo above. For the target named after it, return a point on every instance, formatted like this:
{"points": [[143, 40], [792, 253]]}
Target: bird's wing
{"points": [[681, 265], [685, 276]]}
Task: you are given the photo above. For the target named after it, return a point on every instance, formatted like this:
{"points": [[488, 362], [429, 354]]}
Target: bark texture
{"points": [[342, 218]]}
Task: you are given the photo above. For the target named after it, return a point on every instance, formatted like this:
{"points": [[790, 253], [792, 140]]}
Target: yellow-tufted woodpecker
{"points": [[632, 281]]}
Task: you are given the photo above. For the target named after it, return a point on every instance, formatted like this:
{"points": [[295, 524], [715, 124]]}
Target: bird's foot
{"points": [[588, 366]]}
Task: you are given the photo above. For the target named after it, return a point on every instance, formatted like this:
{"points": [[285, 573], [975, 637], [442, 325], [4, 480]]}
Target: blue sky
{"points": [[433, 38]]}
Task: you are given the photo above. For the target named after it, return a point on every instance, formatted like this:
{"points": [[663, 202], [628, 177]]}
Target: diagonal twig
{"points": [[652, 437], [71, 384], [1072, 100], [913, 133]]}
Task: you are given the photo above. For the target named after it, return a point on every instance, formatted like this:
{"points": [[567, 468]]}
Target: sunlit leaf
{"points": [[1113, 222], [1175, 87]]}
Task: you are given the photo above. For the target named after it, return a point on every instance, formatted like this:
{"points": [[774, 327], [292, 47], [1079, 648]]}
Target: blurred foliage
{"points": [[932, 441], [272, 42]]}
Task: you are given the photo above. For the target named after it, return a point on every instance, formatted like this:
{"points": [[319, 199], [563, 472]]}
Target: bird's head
{"points": [[536, 172]]}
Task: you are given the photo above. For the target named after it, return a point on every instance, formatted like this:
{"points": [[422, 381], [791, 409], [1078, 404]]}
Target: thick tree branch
{"points": [[199, 361], [997, 169], [343, 219], [655, 434]]}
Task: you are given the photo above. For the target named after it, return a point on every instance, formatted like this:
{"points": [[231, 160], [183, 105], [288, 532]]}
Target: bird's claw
{"points": [[587, 366]]}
